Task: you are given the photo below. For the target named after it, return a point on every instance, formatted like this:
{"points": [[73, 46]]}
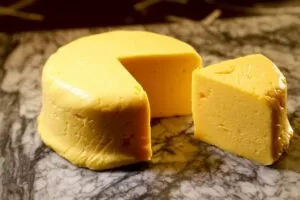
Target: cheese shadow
{"points": [[176, 153], [167, 162], [291, 159]]}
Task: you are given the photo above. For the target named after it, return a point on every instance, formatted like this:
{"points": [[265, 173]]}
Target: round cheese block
{"points": [[99, 93]]}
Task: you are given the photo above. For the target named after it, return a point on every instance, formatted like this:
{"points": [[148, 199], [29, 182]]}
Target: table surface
{"points": [[182, 168]]}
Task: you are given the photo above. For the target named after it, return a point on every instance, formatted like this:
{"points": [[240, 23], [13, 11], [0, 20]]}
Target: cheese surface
{"points": [[239, 105], [99, 93]]}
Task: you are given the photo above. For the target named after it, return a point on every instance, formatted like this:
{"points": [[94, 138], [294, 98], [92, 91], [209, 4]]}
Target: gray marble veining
{"points": [[182, 168]]}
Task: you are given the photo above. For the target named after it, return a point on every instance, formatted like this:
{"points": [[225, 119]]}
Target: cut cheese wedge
{"points": [[99, 93], [240, 106]]}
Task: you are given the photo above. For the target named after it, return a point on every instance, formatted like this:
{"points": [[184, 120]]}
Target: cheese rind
{"points": [[240, 106], [98, 98]]}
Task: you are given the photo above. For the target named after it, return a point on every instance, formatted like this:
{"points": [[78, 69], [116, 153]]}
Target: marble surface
{"points": [[182, 168]]}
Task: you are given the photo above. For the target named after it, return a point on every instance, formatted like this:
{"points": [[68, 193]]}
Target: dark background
{"points": [[88, 13]]}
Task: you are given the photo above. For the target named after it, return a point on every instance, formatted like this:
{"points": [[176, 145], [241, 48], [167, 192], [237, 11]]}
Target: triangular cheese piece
{"points": [[239, 105]]}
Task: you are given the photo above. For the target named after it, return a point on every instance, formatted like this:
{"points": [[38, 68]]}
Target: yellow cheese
{"points": [[240, 106], [95, 91]]}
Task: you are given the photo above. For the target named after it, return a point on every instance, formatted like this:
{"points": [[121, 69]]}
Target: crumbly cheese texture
{"points": [[99, 93], [239, 106]]}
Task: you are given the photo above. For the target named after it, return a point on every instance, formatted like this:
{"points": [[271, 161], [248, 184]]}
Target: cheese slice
{"points": [[239, 106], [99, 93]]}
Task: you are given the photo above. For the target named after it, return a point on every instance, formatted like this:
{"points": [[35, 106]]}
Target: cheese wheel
{"points": [[239, 105], [99, 93]]}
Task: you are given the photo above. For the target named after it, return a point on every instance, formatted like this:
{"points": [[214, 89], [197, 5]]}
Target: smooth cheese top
{"points": [[89, 68], [78, 83], [123, 44], [255, 74]]}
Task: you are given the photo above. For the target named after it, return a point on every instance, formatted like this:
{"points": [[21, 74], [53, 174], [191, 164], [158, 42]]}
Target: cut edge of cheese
{"points": [[164, 78]]}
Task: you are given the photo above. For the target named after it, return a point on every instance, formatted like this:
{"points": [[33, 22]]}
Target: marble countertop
{"points": [[182, 168]]}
